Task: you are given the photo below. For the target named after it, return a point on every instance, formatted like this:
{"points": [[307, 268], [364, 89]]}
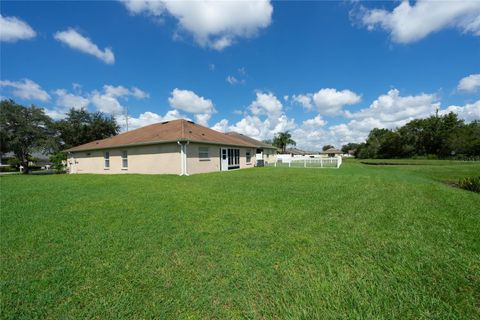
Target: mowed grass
{"points": [[362, 241]]}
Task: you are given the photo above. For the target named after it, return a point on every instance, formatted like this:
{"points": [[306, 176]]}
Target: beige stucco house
{"points": [[171, 147]]}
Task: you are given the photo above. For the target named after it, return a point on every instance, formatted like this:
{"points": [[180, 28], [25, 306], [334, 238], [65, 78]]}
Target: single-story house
{"points": [[296, 152], [332, 152], [265, 153], [171, 147]]}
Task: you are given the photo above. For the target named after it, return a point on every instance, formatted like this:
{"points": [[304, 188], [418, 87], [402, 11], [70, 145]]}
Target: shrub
{"points": [[471, 184]]}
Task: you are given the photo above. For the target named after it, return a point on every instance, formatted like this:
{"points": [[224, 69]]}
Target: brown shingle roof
{"points": [[332, 150], [247, 139], [169, 131]]}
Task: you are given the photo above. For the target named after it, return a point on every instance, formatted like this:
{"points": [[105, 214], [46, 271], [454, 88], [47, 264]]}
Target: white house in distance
{"points": [[171, 147]]}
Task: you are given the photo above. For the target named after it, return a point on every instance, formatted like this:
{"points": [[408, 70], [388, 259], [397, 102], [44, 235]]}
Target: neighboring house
{"points": [[38, 159], [265, 153], [173, 147], [332, 152], [296, 152]]}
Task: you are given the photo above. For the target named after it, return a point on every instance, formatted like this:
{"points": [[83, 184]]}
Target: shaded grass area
{"points": [[356, 242]]}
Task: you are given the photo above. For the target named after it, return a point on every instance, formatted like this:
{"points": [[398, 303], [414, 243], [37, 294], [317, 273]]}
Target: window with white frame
{"points": [[249, 156], [106, 158], [124, 159], [203, 154]]}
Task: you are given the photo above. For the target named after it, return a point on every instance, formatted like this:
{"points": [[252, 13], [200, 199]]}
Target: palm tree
{"points": [[282, 139]]}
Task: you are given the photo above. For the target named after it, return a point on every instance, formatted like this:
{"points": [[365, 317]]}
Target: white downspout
{"points": [[181, 158], [185, 158]]}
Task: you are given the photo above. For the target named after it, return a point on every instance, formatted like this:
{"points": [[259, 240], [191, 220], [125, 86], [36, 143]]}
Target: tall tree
{"points": [[327, 146], [24, 130], [81, 126], [282, 140]]}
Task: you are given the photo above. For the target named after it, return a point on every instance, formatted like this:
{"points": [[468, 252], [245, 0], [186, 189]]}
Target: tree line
{"points": [[439, 137], [26, 130]]}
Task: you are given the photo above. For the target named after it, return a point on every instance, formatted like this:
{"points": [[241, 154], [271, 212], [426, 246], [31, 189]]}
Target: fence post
{"points": [[289, 163], [305, 163], [321, 163]]}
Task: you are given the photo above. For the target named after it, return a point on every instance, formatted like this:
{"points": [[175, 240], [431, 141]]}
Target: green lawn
{"points": [[362, 241]]}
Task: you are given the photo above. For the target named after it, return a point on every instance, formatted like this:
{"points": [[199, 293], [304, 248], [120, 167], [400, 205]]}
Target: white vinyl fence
{"points": [[307, 162]]}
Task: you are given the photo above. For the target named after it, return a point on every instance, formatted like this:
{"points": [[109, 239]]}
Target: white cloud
{"points": [[470, 83], [390, 110], [330, 101], [305, 100], [107, 100], [211, 67], [393, 110], [409, 23], [221, 126], [77, 41], [189, 101], [55, 114], [13, 29], [107, 103], [116, 91], [468, 112], [266, 104], [147, 118], [214, 24], [315, 122], [267, 118], [68, 101], [233, 81], [202, 118], [26, 89]]}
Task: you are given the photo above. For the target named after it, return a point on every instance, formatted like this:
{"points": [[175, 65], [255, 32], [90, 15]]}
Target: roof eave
{"points": [[74, 149]]}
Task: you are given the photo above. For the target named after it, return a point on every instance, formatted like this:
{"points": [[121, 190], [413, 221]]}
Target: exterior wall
{"points": [[197, 165], [153, 159]]}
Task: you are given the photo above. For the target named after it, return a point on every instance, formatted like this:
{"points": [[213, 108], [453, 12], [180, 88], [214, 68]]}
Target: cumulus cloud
{"points": [[221, 125], [266, 104], [468, 112], [394, 110], [68, 100], [305, 100], [264, 118], [412, 22], [470, 83], [389, 111], [147, 118], [76, 41], [26, 89], [139, 93], [330, 101], [107, 103], [213, 24], [189, 101], [106, 100], [327, 101], [315, 122], [13, 29]]}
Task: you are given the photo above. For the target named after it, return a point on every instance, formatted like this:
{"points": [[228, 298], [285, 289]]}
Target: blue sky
{"points": [[327, 71]]}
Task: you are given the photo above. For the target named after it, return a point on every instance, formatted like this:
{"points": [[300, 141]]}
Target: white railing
{"points": [[307, 162]]}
